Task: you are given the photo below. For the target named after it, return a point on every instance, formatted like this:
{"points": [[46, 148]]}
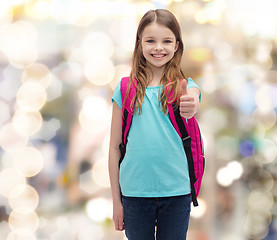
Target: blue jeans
{"points": [[169, 214]]}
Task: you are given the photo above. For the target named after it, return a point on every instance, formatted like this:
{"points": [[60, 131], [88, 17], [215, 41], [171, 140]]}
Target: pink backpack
{"points": [[187, 129]]}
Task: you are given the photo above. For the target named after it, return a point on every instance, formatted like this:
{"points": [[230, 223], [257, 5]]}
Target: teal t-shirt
{"points": [[155, 163]]}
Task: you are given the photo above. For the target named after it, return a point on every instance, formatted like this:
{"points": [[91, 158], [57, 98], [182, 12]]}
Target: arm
{"points": [[114, 156]]}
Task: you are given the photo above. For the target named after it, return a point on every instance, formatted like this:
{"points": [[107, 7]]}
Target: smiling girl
{"points": [[151, 188]]}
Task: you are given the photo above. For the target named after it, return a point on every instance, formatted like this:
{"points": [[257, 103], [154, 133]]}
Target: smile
{"points": [[158, 55]]}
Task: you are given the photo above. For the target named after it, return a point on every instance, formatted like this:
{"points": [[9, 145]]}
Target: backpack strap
{"points": [[181, 125], [127, 112]]}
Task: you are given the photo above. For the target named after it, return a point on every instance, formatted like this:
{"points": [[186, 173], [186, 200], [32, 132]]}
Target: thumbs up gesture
{"points": [[187, 103]]}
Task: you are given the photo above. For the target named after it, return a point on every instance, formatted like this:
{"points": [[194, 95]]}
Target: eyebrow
{"points": [[171, 38]]}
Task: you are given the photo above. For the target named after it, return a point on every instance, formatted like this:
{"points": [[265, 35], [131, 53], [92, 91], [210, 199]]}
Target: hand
{"points": [[118, 216], [187, 103]]}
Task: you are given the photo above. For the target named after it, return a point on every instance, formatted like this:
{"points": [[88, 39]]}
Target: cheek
{"points": [[145, 51]]}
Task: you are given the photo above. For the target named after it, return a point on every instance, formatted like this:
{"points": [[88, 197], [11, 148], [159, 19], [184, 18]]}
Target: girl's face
{"points": [[158, 45]]}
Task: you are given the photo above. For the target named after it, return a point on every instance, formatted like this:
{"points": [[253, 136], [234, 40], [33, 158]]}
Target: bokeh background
{"points": [[60, 61]]}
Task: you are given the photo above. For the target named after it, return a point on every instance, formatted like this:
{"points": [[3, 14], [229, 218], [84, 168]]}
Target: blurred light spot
{"points": [[209, 78], [99, 71], [92, 230], [64, 233], [247, 148], [10, 84], [246, 94], [99, 209], [11, 33], [216, 118], [256, 224], [64, 230], [106, 145], [266, 116], [21, 235], [109, 8], [226, 146], [79, 14], [123, 32], [23, 219], [22, 57], [49, 129], [211, 13], [10, 178], [226, 175], [27, 123], [49, 152], [264, 98], [11, 140], [31, 96], [6, 160], [262, 50], [69, 72], [21, 53], [87, 184], [95, 114], [6, 13], [236, 168], [120, 72], [23, 196], [39, 9], [268, 149], [37, 72], [54, 90], [95, 108], [223, 51], [85, 92], [162, 3], [199, 211], [263, 181], [100, 174], [29, 161], [97, 44], [230, 236], [199, 54], [240, 17], [4, 112], [260, 200]]}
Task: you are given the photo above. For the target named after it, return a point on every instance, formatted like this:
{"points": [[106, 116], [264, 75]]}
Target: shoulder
{"points": [[191, 83]]}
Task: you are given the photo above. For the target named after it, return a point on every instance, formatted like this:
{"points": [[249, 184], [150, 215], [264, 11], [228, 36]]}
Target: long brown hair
{"points": [[172, 73]]}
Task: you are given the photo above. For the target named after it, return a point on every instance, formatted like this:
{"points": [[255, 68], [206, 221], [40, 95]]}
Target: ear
{"points": [[176, 46]]}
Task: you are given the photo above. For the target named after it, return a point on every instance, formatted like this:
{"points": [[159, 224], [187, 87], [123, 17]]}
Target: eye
{"points": [[167, 41], [150, 41]]}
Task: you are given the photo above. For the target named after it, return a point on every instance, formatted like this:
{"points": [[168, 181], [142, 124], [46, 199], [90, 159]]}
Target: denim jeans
{"points": [[170, 216]]}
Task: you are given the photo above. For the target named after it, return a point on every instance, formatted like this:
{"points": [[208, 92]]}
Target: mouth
{"points": [[158, 55]]}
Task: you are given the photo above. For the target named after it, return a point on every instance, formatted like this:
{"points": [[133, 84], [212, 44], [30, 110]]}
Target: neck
{"points": [[157, 76]]}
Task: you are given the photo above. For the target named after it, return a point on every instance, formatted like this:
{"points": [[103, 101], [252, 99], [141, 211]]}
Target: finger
{"points": [[120, 224], [115, 224], [184, 87]]}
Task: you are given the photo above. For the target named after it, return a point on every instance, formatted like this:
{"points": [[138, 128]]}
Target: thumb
{"points": [[184, 87]]}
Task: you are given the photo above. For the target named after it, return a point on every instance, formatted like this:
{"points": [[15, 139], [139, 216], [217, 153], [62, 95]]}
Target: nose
{"points": [[158, 47]]}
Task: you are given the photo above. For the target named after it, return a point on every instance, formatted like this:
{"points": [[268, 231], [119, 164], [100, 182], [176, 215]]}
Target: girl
{"points": [[151, 188]]}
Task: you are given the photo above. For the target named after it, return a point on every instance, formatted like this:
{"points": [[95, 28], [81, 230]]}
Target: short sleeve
{"points": [[117, 95], [191, 84]]}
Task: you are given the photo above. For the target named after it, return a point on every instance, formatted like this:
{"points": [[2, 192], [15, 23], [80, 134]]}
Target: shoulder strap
{"points": [[181, 126], [123, 87], [127, 112]]}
